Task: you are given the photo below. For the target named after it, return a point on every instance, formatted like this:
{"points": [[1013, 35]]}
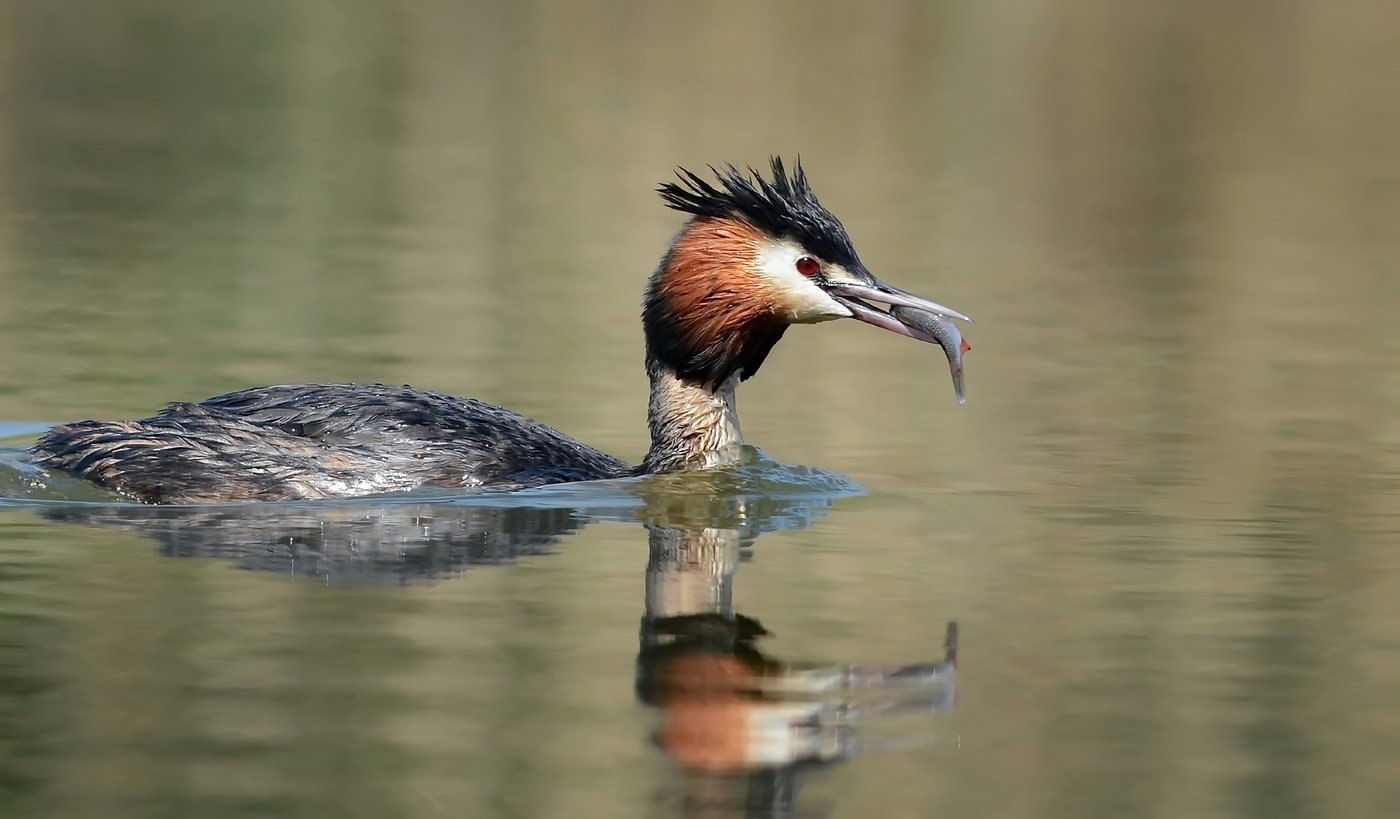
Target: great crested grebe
{"points": [[756, 256]]}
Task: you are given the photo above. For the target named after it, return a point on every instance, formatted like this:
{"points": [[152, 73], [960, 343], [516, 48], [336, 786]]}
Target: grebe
{"points": [[756, 256]]}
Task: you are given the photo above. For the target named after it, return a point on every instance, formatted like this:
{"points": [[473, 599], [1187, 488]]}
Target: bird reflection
{"points": [[354, 543], [745, 728]]}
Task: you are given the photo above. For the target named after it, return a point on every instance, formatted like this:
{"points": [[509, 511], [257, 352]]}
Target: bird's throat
{"points": [[692, 426]]}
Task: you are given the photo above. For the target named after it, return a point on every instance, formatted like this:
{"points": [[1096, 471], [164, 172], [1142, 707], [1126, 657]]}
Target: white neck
{"points": [[692, 427]]}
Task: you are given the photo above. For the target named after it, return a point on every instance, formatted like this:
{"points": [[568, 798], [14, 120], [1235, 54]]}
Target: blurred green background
{"points": [[1166, 517]]}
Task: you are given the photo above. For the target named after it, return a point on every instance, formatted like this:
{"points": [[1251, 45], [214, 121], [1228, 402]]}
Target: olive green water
{"points": [[1166, 520]]}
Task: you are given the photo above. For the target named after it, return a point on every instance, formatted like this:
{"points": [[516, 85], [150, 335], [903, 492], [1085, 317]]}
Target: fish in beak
{"points": [[908, 315], [935, 328]]}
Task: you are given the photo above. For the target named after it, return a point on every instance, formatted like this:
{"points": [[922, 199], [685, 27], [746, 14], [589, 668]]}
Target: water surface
{"points": [[1164, 522]]}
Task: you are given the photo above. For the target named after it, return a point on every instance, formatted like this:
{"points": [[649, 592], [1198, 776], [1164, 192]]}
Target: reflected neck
{"points": [[692, 426], [690, 571]]}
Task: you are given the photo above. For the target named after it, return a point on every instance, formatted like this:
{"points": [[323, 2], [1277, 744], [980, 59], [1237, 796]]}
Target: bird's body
{"points": [[307, 441], [756, 257]]}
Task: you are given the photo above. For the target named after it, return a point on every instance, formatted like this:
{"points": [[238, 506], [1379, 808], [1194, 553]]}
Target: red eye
{"points": [[808, 266]]}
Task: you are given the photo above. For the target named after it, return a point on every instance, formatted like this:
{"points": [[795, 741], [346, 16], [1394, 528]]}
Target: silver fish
{"points": [[942, 331]]}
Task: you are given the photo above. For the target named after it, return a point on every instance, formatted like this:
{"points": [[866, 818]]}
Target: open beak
{"points": [[855, 295], [908, 316]]}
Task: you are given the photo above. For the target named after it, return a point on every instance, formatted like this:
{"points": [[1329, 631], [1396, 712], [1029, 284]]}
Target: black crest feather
{"points": [[784, 206]]}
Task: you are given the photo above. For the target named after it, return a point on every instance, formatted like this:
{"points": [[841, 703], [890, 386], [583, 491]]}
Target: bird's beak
{"points": [[855, 295]]}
